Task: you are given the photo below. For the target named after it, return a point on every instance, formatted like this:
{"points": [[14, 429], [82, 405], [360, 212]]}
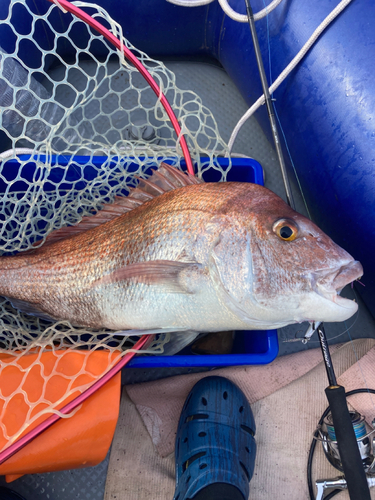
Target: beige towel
{"points": [[160, 403]]}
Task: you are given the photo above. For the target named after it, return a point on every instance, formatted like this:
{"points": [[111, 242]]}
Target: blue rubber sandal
{"points": [[215, 442]]}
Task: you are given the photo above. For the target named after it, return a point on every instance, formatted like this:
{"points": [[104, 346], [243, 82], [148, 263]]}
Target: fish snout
{"points": [[337, 279], [347, 274]]}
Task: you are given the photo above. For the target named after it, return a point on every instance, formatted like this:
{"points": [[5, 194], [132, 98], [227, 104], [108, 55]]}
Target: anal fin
{"points": [[29, 308], [178, 341], [179, 338]]}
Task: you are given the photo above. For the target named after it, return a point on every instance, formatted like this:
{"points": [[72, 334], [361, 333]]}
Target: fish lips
{"points": [[347, 274], [330, 283]]}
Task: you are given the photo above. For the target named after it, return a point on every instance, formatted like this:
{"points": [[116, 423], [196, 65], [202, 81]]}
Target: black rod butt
{"points": [[347, 444]]}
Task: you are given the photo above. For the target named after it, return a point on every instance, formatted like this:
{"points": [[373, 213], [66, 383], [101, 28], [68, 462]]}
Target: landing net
{"points": [[77, 124]]}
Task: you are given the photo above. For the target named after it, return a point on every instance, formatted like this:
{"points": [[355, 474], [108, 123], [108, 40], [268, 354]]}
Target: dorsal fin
{"points": [[166, 178]]}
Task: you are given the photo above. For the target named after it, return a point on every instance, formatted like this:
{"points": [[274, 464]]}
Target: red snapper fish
{"points": [[181, 255]]}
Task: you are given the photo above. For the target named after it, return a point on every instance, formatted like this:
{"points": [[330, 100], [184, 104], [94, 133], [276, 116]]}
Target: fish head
{"points": [[295, 272]]}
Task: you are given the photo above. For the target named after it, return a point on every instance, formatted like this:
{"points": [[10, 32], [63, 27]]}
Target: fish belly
{"points": [[145, 309]]}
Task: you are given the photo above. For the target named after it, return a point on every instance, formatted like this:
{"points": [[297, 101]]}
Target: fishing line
{"points": [[299, 339], [277, 115], [269, 105], [292, 163]]}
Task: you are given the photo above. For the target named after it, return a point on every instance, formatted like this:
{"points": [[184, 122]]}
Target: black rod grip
{"points": [[347, 444]]}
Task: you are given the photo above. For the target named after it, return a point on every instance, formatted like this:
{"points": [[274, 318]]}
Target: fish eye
{"points": [[285, 229]]}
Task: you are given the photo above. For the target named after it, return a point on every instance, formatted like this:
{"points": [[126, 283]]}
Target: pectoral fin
{"points": [[167, 276]]}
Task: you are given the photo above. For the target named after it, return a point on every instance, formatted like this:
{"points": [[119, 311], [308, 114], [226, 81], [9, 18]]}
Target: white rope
{"points": [[57, 3], [319, 30], [190, 3], [241, 18], [16, 152]]}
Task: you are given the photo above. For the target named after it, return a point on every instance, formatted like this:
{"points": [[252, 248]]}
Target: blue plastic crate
{"points": [[250, 347]]}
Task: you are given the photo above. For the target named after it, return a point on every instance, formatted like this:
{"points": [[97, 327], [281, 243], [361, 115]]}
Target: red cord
{"points": [[18, 445], [133, 59]]}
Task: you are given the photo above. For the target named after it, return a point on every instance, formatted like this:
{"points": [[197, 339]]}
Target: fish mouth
{"points": [[330, 285]]}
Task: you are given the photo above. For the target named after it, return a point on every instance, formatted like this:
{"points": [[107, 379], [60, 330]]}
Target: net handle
{"points": [[76, 11], [23, 441]]}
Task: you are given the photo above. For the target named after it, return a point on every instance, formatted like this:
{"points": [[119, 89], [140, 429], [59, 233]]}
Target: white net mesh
{"points": [[90, 123]]}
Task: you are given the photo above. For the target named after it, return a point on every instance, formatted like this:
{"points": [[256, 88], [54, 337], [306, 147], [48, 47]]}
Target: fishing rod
{"points": [[352, 466]]}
